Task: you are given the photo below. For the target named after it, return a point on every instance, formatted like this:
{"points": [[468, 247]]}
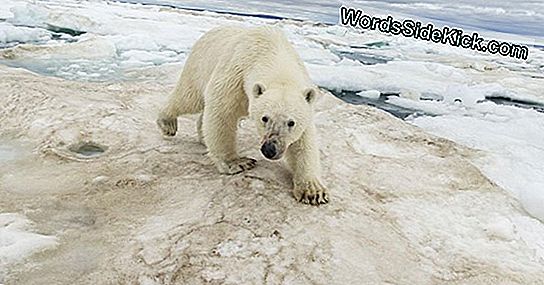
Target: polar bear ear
{"points": [[310, 95], [258, 89]]}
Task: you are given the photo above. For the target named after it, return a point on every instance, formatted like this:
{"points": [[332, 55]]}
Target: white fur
{"points": [[226, 68]]}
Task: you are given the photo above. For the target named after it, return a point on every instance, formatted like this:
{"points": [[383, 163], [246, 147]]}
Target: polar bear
{"points": [[235, 72]]}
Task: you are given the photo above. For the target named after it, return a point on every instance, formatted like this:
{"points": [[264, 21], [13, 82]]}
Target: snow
{"points": [[532, 199], [372, 94], [447, 228], [30, 15], [512, 139], [502, 228], [146, 43], [10, 33], [18, 240], [7, 152]]}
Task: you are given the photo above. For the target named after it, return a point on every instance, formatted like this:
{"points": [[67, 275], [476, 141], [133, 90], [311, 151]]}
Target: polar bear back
{"points": [[248, 54]]}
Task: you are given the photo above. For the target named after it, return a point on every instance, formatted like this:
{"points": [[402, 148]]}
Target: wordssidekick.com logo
{"points": [[409, 28]]}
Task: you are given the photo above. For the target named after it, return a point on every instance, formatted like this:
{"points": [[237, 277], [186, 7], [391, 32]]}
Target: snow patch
{"points": [[18, 240]]}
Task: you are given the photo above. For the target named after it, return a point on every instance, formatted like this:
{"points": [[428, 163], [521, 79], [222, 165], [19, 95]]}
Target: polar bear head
{"points": [[281, 114]]}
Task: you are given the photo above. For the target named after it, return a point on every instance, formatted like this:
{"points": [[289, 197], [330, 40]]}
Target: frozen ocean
{"points": [[486, 109]]}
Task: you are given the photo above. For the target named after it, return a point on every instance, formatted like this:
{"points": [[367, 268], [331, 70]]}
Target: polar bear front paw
{"points": [[238, 165], [168, 126], [311, 192]]}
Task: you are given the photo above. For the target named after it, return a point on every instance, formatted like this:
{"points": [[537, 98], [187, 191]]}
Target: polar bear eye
{"points": [[291, 123], [264, 119]]}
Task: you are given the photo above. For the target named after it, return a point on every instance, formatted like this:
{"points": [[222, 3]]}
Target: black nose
{"points": [[269, 150]]}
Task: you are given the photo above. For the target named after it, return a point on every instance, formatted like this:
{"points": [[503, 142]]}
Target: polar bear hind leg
{"points": [[184, 100]]}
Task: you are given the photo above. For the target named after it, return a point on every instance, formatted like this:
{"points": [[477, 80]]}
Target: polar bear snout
{"points": [[271, 150]]}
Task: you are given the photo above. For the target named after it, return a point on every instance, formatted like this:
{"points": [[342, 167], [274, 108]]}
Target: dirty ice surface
{"points": [[116, 61]]}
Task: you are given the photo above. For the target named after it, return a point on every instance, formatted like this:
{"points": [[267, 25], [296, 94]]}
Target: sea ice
{"points": [[372, 94], [13, 34], [403, 197]]}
